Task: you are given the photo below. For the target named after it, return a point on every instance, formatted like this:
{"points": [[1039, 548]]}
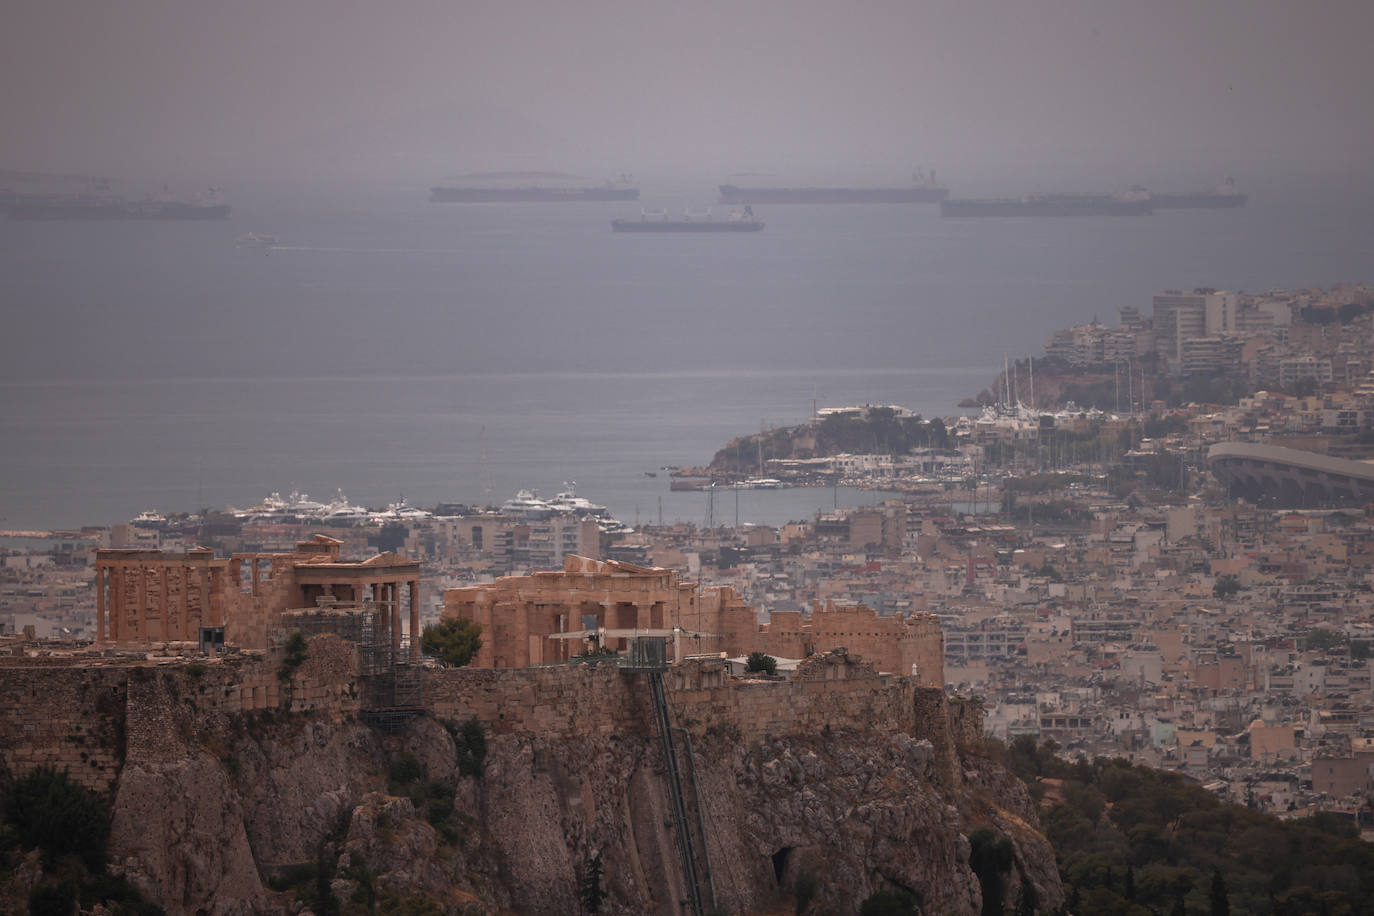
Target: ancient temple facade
{"points": [[146, 597], [551, 616]]}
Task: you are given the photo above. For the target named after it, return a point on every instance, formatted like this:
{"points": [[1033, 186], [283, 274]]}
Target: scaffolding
{"points": [[392, 685]]}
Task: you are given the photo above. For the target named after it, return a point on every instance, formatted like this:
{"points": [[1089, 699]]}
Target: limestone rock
{"points": [[204, 805], [178, 834]]}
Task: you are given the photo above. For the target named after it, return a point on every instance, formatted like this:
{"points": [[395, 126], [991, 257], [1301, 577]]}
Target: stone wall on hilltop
{"points": [[861, 781]]}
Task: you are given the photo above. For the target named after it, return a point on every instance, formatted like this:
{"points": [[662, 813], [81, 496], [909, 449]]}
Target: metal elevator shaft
{"points": [[690, 869]]}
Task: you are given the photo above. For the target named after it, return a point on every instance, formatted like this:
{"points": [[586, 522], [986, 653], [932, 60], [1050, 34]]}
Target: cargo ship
{"points": [[103, 207], [740, 221], [923, 190], [535, 194], [1135, 203], [1224, 195]]}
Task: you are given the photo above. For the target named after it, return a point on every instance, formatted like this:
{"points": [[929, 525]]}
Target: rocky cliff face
{"points": [[855, 812], [212, 810]]}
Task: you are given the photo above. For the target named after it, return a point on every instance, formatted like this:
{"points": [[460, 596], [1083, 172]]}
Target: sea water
{"points": [[394, 348]]}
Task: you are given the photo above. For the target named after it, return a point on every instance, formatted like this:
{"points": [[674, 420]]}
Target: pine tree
{"points": [[590, 889], [1220, 905]]}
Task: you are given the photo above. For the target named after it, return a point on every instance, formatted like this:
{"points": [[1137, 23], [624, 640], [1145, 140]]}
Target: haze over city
{"points": [[1002, 94], [680, 458]]}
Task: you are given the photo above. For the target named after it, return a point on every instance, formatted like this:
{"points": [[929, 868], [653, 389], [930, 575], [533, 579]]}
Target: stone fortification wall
{"points": [[966, 722], [325, 683], [77, 713], [577, 701], [762, 709], [586, 701], [70, 718], [912, 645]]}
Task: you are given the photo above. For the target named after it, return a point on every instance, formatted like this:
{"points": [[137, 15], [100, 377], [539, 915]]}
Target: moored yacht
{"points": [[528, 504], [569, 501]]}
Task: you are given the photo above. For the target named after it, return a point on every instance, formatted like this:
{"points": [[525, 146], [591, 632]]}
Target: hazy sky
{"points": [[415, 91]]}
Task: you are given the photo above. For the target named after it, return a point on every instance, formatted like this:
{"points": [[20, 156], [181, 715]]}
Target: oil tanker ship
{"points": [[1135, 203], [1224, 195], [481, 195], [923, 190], [740, 221]]}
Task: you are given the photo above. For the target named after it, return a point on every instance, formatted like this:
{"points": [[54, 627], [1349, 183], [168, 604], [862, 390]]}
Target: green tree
{"points": [[404, 769], [1217, 896], [294, 657], [1303, 387], [991, 857], [1225, 586], [53, 900], [1322, 639], [1157, 427], [470, 747], [453, 641], [939, 435], [1028, 901], [589, 887], [889, 903], [50, 811], [761, 661], [325, 904]]}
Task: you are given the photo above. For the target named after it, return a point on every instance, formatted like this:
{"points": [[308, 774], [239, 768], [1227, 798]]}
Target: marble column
{"points": [[142, 604], [395, 620], [100, 604], [379, 622], [115, 606], [206, 618], [162, 571], [183, 575], [414, 620]]}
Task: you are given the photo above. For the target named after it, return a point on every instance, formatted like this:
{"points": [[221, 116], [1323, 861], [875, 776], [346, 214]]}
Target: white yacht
{"points": [[341, 510], [528, 504], [400, 511], [294, 505], [569, 501]]}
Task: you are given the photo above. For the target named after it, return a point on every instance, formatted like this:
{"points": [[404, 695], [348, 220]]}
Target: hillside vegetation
{"points": [[878, 432], [1132, 840]]}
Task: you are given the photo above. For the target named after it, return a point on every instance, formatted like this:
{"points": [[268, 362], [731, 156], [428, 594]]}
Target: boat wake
{"points": [[368, 250]]}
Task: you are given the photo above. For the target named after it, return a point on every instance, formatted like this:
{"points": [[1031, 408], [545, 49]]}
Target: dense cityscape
{"points": [[1096, 582], [491, 459]]}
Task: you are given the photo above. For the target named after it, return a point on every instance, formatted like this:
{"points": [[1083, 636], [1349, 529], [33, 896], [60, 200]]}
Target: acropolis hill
{"points": [[227, 770]]}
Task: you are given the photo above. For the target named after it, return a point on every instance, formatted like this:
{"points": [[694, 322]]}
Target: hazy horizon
{"points": [[386, 344], [416, 92]]}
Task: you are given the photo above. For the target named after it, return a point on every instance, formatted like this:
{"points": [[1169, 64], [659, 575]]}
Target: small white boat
{"points": [[253, 240]]}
